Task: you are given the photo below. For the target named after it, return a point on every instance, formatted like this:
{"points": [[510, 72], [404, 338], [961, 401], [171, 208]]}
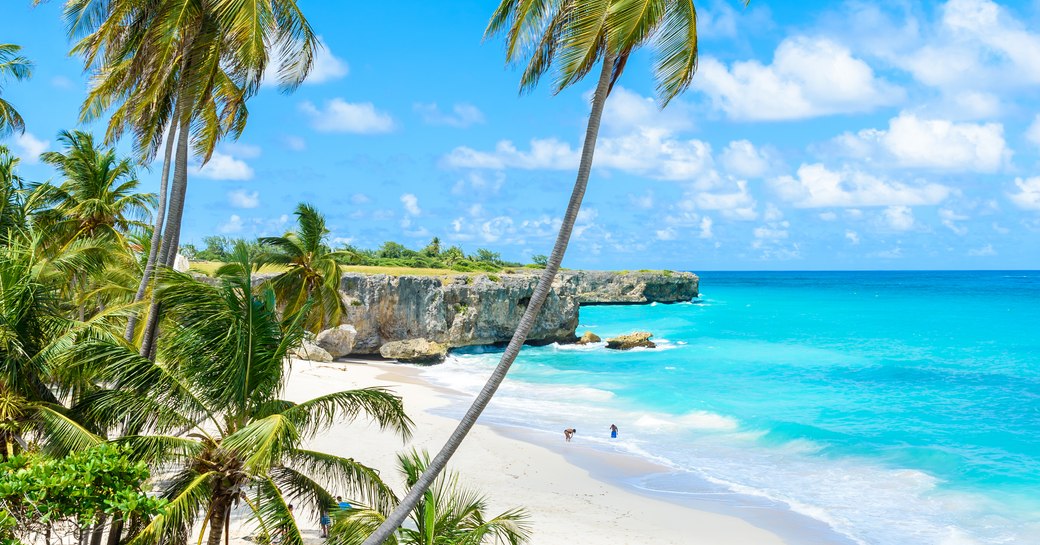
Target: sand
{"points": [[567, 505]]}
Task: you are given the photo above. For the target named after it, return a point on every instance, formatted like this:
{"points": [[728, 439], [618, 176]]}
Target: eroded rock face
{"points": [[466, 310], [455, 311], [611, 288], [338, 341], [414, 351], [311, 352], [588, 338], [639, 339]]}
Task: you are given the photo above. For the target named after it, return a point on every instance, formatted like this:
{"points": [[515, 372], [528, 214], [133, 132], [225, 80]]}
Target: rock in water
{"points": [[589, 338], [414, 351], [311, 352], [338, 341], [632, 340]]}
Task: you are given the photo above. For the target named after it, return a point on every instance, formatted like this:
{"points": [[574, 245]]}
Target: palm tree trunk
{"points": [[527, 321], [115, 532], [160, 215], [216, 523], [168, 251]]}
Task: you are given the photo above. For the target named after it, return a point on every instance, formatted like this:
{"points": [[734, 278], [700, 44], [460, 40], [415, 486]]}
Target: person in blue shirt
{"points": [[613, 431], [343, 506]]}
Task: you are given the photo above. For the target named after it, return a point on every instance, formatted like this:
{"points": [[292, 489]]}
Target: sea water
{"points": [[898, 408]]}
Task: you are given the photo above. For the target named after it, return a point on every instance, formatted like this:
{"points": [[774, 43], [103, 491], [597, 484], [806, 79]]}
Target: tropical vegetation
{"points": [[448, 513]]}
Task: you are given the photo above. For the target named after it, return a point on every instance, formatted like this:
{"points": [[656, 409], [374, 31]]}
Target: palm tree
{"points": [[12, 189], [570, 37], [20, 68], [313, 274], [447, 514], [99, 196], [209, 412]]}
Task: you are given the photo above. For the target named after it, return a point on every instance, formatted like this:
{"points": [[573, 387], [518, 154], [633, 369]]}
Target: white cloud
{"points": [[808, 77], [984, 251], [462, 115], [1028, 195], [627, 111], [739, 204], [232, 225], [411, 204], [645, 202], [240, 198], [548, 154], [668, 233], [949, 219], [479, 184], [1033, 132], [342, 116], [360, 198], [852, 236], [930, 143], [977, 43], [817, 187], [223, 167], [741, 158], [899, 218], [706, 227], [324, 68], [31, 147], [828, 216]]}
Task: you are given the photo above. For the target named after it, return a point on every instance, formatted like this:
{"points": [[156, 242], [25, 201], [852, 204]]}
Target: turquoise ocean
{"points": [[896, 408]]}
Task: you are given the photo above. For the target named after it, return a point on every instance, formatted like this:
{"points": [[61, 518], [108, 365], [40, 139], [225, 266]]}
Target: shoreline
{"points": [[575, 494]]}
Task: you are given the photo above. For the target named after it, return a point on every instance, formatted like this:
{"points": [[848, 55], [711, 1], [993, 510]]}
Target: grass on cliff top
{"points": [[210, 267]]}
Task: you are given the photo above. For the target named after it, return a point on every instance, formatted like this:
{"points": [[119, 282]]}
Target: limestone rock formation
{"points": [[632, 340], [414, 351], [612, 288], [338, 341], [310, 351], [588, 338]]}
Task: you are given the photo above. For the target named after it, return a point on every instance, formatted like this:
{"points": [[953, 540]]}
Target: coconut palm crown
{"points": [[18, 67], [313, 275]]}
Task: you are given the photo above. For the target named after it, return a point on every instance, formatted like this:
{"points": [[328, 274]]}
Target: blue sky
{"points": [[816, 135]]}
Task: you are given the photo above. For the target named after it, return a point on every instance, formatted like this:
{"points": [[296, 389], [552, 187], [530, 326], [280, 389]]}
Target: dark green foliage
{"points": [[539, 260], [63, 496]]}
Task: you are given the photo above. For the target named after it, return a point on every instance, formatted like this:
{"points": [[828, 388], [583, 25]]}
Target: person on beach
{"points": [[568, 433], [613, 431], [326, 522]]}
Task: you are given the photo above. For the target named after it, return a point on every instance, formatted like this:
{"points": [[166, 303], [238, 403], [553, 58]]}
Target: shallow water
{"points": [[899, 408]]}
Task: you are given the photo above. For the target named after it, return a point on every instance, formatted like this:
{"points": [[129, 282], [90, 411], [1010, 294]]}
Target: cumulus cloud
{"points": [[30, 147], [852, 237], [462, 115], [668, 233], [808, 77], [339, 115], [950, 220], [984, 251], [222, 166], [232, 225], [899, 218], [706, 228], [1033, 132], [911, 141], [1028, 195], [360, 198], [411, 204], [815, 186], [742, 158], [240, 198]]}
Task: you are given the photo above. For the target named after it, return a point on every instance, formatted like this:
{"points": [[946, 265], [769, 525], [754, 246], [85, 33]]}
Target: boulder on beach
{"points": [[414, 351], [311, 352], [338, 341], [589, 338], [631, 340]]}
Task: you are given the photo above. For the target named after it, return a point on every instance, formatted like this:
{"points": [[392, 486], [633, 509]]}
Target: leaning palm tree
{"points": [[569, 38], [312, 275], [12, 65], [209, 410], [447, 514]]}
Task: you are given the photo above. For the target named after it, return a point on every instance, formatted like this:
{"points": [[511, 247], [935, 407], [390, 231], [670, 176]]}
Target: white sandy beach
{"points": [[567, 505]]}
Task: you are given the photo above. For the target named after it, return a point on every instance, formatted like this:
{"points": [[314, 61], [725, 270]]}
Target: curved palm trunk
{"points": [[171, 234], [160, 215], [527, 321]]}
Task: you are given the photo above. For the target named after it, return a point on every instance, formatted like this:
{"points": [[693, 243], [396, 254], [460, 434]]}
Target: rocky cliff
{"points": [[468, 310]]}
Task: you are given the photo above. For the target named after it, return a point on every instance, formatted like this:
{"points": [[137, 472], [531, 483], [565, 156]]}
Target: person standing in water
{"points": [[568, 433], [613, 431]]}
